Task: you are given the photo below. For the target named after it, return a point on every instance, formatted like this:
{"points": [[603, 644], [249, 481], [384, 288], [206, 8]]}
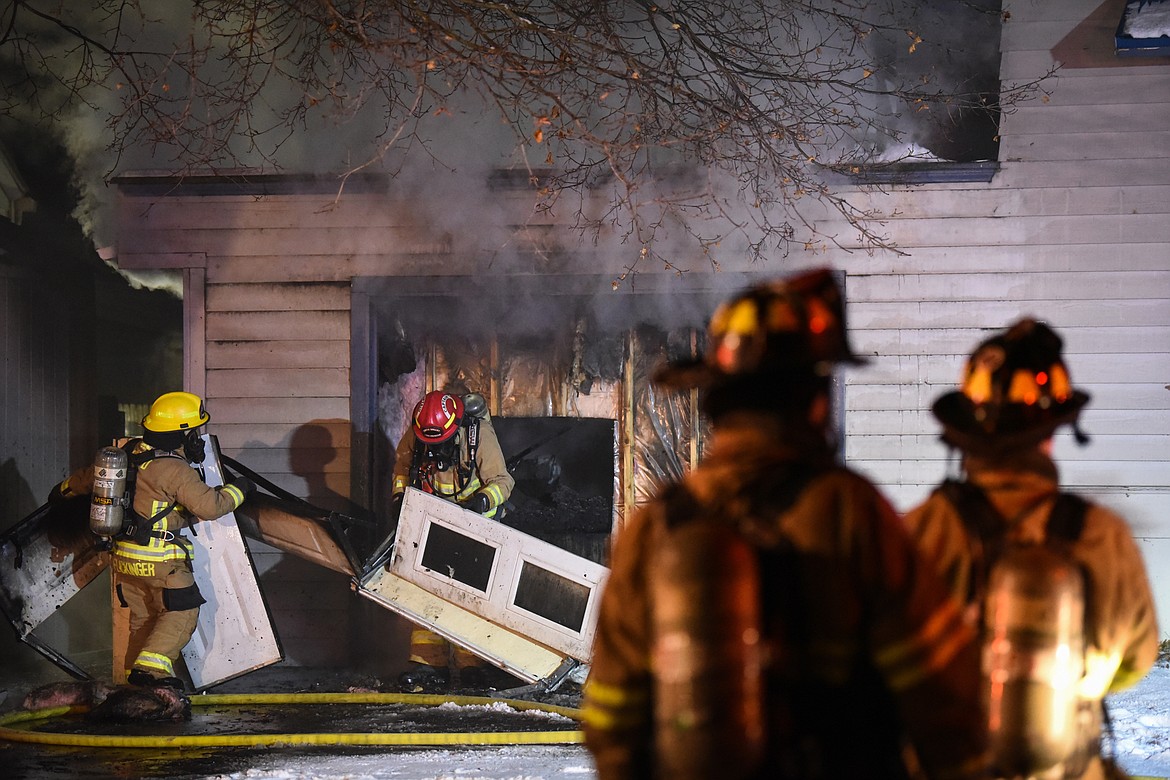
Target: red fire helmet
{"points": [[437, 417]]}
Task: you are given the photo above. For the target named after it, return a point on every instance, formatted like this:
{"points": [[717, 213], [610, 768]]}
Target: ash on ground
{"points": [[566, 518], [292, 679]]}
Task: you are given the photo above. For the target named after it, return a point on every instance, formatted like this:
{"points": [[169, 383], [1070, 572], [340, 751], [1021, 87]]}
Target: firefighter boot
{"points": [[143, 678], [424, 678], [140, 677]]}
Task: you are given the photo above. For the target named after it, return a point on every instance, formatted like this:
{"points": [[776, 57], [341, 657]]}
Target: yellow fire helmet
{"points": [[1015, 392], [176, 411]]}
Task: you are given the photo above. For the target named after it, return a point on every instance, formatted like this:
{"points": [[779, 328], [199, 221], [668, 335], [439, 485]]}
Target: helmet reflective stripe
{"points": [[1005, 370]]}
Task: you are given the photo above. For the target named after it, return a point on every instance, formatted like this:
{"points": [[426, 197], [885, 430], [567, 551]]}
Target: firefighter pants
{"points": [[164, 610], [427, 647]]}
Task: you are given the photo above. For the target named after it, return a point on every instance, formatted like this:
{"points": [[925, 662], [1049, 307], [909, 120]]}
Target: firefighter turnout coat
{"points": [[153, 575], [1121, 633], [489, 474], [840, 655]]}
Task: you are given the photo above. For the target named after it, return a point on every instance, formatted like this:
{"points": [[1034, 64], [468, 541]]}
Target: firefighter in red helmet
{"points": [[1015, 393], [151, 557], [450, 450], [767, 616]]}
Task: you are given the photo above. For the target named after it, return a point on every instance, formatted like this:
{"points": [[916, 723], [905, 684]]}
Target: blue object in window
{"points": [[1144, 30]]}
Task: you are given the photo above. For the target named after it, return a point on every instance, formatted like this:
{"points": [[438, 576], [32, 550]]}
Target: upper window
{"points": [[954, 52]]}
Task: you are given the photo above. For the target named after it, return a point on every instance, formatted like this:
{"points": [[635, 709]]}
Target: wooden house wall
{"points": [[1073, 229], [47, 427], [267, 343], [34, 396]]}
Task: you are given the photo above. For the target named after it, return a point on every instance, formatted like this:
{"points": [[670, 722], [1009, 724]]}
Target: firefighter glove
{"points": [[57, 495], [478, 502], [243, 484], [396, 506]]}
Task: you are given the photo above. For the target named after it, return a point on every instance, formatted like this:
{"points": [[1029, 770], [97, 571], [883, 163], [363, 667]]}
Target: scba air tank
{"points": [[1033, 659], [707, 654], [106, 508]]}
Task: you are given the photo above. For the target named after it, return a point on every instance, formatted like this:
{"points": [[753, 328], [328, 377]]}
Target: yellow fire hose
{"points": [[284, 740], [288, 740]]}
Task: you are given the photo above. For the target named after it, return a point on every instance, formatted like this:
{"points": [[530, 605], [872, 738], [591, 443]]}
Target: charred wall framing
{"points": [[545, 351]]}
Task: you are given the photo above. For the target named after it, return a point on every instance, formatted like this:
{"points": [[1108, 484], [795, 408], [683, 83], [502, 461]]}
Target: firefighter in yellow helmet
{"points": [[451, 450], [1015, 393], [768, 616], [151, 558]]}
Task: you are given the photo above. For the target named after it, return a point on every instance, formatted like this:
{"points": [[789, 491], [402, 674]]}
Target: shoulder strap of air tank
{"points": [[1067, 519], [975, 509], [472, 440], [414, 476], [140, 459], [140, 531], [985, 529], [680, 506]]}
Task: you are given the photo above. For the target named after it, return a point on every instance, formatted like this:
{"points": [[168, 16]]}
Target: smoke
{"points": [[452, 152]]}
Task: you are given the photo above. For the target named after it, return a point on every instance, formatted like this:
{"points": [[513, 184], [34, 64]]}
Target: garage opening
{"points": [[565, 365]]}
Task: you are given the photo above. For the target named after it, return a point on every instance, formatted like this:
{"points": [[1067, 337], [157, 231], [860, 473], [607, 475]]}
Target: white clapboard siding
{"points": [[947, 369], [1123, 311], [996, 260], [1096, 421], [277, 325], [289, 382], [1109, 447], [1073, 229], [999, 202], [315, 212], [921, 394]]}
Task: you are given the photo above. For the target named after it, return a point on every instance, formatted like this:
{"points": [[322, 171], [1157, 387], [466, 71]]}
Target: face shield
{"points": [[443, 453]]}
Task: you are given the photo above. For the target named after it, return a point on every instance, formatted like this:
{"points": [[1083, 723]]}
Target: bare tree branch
{"points": [[716, 120]]}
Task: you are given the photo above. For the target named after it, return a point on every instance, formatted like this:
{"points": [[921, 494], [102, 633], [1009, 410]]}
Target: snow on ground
{"points": [[1141, 724], [518, 762]]}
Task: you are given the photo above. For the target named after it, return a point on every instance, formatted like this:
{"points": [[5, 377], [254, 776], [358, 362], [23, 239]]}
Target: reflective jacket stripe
{"points": [[445, 487], [940, 638], [156, 662], [494, 493], [155, 550], [233, 491], [609, 707]]}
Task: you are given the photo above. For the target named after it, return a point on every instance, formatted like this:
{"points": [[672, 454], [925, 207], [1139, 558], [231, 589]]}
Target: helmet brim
{"points": [[422, 436], [963, 430], [149, 424]]}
